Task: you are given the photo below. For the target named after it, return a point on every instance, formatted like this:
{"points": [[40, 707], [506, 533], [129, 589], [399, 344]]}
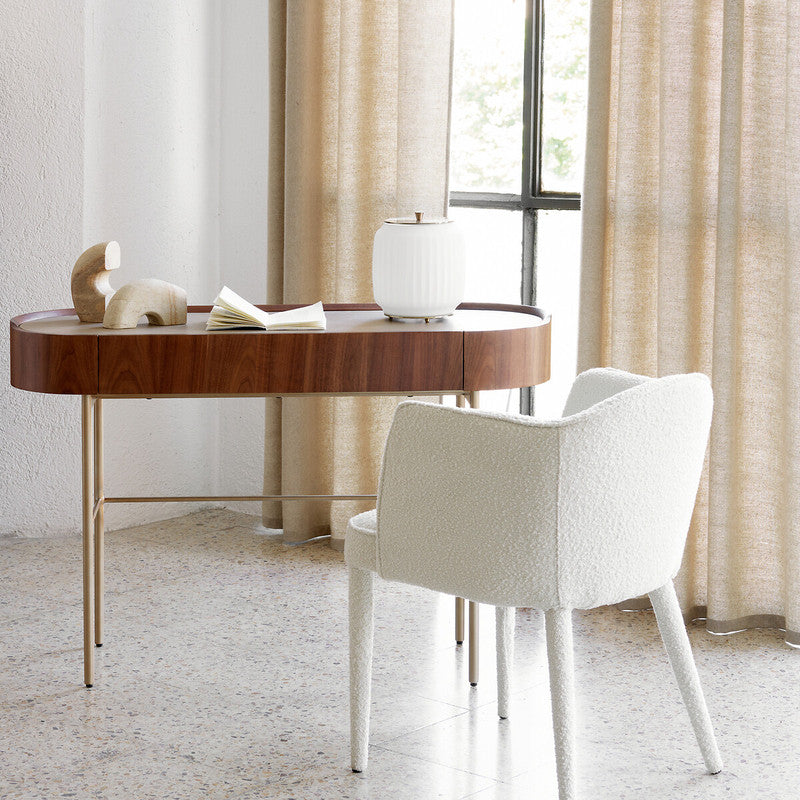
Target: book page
{"points": [[306, 317], [232, 311], [238, 306]]}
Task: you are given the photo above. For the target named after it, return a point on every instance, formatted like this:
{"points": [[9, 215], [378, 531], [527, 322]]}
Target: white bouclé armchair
{"points": [[582, 511]]}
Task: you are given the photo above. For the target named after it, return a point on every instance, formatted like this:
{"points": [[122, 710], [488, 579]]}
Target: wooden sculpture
{"points": [[161, 302], [90, 287]]}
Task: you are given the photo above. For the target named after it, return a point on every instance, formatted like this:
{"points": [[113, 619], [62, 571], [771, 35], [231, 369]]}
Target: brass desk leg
{"points": [[461, 401], [87, 493], [99, 530], [459, 620], [474, 610]]}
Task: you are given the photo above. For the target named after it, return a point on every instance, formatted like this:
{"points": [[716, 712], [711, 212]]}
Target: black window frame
{"points": [[532, 198]]}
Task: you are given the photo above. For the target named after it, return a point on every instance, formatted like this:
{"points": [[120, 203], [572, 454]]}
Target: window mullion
{"points": [[528, 284], [531, 162], [529, 132], [528, 288], [553, 201], [515, 202], [534, 48], [486, 200]]}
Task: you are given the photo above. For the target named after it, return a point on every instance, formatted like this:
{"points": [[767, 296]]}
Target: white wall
{"points": [[244, 138], [152, 183], [173, 166], [41, 177]]}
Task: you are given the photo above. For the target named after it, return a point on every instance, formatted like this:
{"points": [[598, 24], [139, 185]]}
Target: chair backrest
{"points": [[577, 512], [594, 385]]}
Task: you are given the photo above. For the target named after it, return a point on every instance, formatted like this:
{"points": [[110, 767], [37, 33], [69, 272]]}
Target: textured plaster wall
{"points": [[41, 179], [152, 183], [143, 122], [243, 220]]}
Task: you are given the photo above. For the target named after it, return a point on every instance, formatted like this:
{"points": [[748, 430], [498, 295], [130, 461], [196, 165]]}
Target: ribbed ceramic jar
{"points": [[418, 267]]}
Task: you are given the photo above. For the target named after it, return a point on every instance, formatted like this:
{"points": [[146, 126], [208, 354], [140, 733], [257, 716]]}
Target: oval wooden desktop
{"points": [[481, 346]]}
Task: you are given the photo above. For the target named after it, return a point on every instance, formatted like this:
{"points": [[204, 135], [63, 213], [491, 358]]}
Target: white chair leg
{"points": [[676, 642], [361, 634], [504, 635], [558, 627]]}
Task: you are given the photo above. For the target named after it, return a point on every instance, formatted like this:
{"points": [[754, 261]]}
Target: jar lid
{"points": [[417, 220]]}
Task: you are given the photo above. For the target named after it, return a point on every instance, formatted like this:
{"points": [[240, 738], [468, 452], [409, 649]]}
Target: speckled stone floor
{"points": [[224, 675]]}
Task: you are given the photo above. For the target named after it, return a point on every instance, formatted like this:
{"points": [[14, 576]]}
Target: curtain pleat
{"points": [[359, 126], [691, 238]]}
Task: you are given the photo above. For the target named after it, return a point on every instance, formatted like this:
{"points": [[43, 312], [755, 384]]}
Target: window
{"points": [[516, 164]]}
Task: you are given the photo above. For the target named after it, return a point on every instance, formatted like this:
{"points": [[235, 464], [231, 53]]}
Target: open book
{"points": [[232, 311]]}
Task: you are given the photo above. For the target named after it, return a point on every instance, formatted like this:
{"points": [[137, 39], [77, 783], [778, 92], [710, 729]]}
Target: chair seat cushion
{"points": [[360, 544]]}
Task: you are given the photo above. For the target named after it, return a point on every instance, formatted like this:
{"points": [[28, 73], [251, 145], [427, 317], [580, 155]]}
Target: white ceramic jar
{"points": [[418, 267]]}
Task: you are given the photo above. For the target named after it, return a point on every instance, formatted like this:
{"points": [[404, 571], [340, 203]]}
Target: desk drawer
{"points": [[246, 362]]}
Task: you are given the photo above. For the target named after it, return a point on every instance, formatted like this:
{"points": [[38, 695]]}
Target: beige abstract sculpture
{"points": [[161, 302], [90, 287]]}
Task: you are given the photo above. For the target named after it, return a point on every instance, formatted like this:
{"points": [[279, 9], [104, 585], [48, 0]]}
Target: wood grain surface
{"points": [[54, 364], [479, 347], [506, 359]]}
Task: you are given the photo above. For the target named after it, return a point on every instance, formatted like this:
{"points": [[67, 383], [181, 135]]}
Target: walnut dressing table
{"points": [[480, 347]]}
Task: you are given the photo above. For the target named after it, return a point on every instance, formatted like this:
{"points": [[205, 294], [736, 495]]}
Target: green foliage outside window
{"points": [[487, 96]]}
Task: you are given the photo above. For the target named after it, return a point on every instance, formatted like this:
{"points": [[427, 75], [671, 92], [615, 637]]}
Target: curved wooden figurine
{"points": [[90, 287], [161, 302]]}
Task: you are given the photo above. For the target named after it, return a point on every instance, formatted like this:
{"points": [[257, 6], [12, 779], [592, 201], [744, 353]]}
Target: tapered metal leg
{"points": [[461, 401], [87, 493], [98, 523], [474, 611], [459, 620]]}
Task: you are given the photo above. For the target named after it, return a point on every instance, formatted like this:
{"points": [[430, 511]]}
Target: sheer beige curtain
{"points": [[691, 259], [359, 131]]}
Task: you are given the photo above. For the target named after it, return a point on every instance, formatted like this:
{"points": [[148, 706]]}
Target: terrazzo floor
{"points": [[224, 675]]}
